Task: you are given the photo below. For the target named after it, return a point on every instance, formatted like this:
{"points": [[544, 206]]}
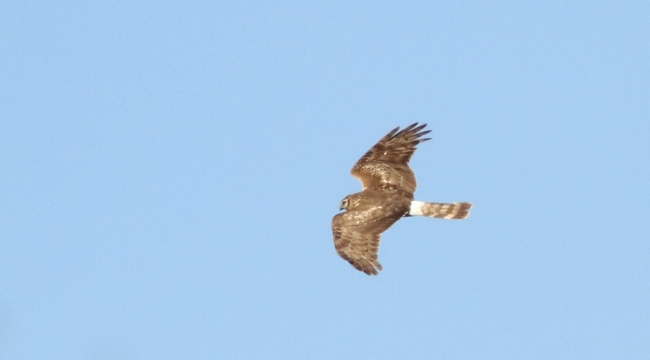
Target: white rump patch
{"points": [[416, 208]]}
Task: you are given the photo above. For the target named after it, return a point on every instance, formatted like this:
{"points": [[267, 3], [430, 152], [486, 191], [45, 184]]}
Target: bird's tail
{"points": [[439, 210]]}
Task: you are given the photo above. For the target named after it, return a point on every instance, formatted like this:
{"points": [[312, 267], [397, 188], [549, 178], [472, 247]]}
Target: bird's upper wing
{"points": [[386, 163], [357, 233]]}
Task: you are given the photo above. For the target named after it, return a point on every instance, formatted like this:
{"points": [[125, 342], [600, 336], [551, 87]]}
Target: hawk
{"points": [[387, 196]]}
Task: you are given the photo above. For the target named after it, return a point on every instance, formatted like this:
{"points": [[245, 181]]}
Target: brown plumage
{"points": [[388, 187], [446, 211]]}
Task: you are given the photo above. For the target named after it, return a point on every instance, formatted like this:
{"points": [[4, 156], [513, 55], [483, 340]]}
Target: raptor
{"points": [[388, 187]]}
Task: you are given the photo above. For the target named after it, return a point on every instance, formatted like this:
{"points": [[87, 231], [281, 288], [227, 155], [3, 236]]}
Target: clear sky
{"points": [[169, 172]]}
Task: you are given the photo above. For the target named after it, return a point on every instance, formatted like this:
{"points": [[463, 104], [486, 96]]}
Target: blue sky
{"points": [[169, 171]]}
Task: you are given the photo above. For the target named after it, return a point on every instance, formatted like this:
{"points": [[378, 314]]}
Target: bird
{"points": [[388, 195]]}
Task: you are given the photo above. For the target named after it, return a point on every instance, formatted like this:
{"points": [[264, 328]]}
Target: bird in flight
{"points": [[387, 196]]}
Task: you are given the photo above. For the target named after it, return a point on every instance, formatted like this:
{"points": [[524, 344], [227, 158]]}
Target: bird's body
{"points": [[387, 196]]}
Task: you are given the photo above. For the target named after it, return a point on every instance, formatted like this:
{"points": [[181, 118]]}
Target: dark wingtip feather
{"points": [[391, 134], [413, 130]]}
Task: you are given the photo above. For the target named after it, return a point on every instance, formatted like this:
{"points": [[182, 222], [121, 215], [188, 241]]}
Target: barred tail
{"points": [[440, 210]]}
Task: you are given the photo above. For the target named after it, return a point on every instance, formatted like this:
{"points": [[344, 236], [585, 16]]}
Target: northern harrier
{"points": [[387, 196]]}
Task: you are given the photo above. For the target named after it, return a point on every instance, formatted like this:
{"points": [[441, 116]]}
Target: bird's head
{"points": [[351, 201], [345, 203]]}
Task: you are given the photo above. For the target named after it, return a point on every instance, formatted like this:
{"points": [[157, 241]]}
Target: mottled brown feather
{"points": [[357, 232], [386, 163], [455, 211]]}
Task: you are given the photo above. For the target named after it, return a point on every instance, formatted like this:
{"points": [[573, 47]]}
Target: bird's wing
{"points": [[357, 233], [386, 163]]}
